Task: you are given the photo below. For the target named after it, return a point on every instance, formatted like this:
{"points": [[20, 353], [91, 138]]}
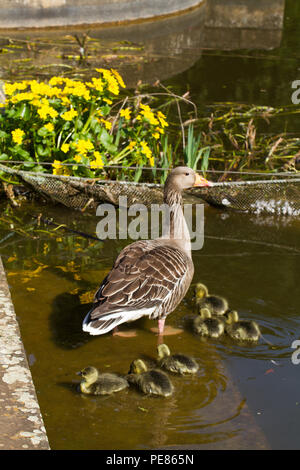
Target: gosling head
{"points": [[163, 351], [205, 313], [201, 291], [89, 374], [232, 317], [137, 367]]}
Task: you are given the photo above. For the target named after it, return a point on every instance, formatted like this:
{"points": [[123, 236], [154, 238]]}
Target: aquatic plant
{"points": [[76, 128]]}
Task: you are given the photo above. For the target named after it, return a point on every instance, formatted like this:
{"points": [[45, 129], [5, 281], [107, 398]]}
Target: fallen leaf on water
{"points": [[269, 371], [143, 409]]}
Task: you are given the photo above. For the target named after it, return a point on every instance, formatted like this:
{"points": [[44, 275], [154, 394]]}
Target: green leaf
{"points": [[3, 134], [107, 141], [42, 132], [43, 151]]}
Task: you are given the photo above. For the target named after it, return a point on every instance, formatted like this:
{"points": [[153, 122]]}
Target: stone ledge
{"points": [[21, 423]]}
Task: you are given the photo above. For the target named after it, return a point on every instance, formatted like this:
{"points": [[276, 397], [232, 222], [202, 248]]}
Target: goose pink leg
{"points": [[165, 331]]}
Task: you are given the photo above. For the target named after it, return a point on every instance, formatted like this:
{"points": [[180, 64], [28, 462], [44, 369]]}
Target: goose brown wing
{"points": [[146, 275]]}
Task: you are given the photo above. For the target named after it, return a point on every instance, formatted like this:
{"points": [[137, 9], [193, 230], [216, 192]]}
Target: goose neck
{"points": [[176, 228]]}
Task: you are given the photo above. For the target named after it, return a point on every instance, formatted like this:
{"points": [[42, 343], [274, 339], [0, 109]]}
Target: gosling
{"points": [[93, 383], [150, 382], [242, 330], [216, 304], [205, 325], [176, 363]]}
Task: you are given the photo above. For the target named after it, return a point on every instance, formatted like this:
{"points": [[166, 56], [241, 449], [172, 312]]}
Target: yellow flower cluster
{"points": [[70, 109], [17, 136], [10, 88], [45, 110], [112, 80], [62, 88], [147, 113]]}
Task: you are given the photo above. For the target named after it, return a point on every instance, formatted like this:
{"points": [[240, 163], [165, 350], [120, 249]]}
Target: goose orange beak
{"points": [[200, 181]]}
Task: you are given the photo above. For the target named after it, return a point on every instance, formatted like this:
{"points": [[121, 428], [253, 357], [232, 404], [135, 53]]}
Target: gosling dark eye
{"points": [[187, 174]]}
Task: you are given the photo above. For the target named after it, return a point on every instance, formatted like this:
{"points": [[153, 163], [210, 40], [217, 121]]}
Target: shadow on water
{"points": [[65, 321]]}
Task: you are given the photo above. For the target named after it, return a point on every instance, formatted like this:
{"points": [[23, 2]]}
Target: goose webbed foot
{"points": [[125, 333]]}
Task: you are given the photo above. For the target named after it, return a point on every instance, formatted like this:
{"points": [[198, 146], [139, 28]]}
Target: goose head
{"points": [[183, 177]]}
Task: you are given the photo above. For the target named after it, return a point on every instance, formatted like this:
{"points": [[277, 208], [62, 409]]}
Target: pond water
{"points": [[243, 396]]}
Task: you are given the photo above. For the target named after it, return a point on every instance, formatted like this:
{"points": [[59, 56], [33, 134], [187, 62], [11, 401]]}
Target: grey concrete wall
{"points": [[258, 14], [45, 13]]}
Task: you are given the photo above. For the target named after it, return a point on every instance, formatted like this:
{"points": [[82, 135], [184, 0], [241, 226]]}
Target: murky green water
{"points": [[243, 396]]}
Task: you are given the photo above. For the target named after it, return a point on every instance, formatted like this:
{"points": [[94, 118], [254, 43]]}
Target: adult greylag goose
{"points": [[149, 277]]}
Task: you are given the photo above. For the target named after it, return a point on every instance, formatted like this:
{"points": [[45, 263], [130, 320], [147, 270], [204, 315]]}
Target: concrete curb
{"points": [[21, 422]]}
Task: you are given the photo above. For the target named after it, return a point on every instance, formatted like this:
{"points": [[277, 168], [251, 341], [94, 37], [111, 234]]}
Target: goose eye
{"points": [[187, 174]]}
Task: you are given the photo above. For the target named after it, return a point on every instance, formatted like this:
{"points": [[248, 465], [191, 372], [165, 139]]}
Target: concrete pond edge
{"points": [[21, 422]]}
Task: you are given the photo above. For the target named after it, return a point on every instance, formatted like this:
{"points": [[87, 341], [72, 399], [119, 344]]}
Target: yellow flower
{"points": [[55, 81], [107, 100], [22, 97], [17, 136], [98, 162], [112, 83], [96, 83], [83, 146], [151, 161], [57, 167], [125, 113], [65, 148], [9, 89], [65, 100], [119, 78], [46, 110], [148, 114], [145, 149], [156, 135], [107, 124], [49, 127], [77, 158], [131, 144], [69, 115], [162, 119]]}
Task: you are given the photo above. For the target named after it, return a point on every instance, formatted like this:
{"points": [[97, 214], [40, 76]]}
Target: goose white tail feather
{"points": [[109, 321]]}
